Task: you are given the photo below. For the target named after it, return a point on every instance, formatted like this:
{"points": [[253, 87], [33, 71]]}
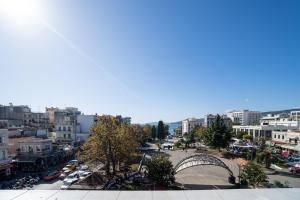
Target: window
{"points": [[64, 128], [282, 137], [274, 136]]}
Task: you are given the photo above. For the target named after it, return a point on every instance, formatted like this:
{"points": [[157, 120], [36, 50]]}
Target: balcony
{"points": [[5, 161], [3, 145]]}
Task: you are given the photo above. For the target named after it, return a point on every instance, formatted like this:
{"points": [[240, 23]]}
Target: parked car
{"points": [[73, 176], [64, 174], [295, 169], [67, 184], [52, 175], [84, 175]]}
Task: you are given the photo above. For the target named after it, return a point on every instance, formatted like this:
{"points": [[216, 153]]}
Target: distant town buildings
{"points": [[5, 161], [244, 117]]}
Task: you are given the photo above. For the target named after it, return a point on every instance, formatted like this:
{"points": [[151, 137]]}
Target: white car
{"points": [[84, 175], [73, 176], [67, 184], [84, 167]]}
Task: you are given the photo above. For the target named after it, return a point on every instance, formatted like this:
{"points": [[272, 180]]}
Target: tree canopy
{"points": [[160, 170], [218, 135], [112, 142]]}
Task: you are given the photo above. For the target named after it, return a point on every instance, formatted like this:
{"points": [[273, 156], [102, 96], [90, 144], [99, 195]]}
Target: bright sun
{"points": [[21, 12]]}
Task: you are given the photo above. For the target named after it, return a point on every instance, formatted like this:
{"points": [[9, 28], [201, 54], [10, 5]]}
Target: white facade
{"points": [[276, 120], [85, 124], [288, 137], [189, 124], [256, 131], [295, 115], [244, 117], [35, 146]]}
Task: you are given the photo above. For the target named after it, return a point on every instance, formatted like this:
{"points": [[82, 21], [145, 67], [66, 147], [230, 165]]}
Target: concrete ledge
{"points": [[245, 194]]}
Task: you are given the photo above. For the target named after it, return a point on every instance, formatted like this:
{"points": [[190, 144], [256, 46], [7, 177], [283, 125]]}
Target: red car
{"points": [[295, 169], [51, 176]]}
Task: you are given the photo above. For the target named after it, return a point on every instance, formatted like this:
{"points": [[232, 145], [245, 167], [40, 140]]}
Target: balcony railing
{"points": [[5, 161]]}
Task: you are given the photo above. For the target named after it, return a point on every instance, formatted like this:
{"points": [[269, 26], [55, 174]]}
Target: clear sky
{"points": [[152, 60]]}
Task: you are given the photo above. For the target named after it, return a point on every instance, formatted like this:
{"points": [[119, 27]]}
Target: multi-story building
{"points": [[14, 114], [37, 120], [268, 125], [286, 137], [244, 117], [210, 119], [189, 124], [295, 115], [65, 124], [34, 154], [5, 161], [85, 123]]}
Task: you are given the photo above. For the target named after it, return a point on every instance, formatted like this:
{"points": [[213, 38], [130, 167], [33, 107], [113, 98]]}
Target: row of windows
{"points": [[278, 136], [64, 128]]}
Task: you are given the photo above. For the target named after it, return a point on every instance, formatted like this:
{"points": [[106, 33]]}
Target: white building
{"points": [[85, 124], [258, 131], [210, 119], [5, 161], [189, 124], [35, 146], [244, 117], [295, 115], [277, 120], [287, 137]]}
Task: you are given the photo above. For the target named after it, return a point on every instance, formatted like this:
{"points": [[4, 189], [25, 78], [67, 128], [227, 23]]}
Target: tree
{"points": [[160, 130], [160, 170], [218, 135], [266, 156], [241, 134], [111, 142], [247, 137], [153, 132], [166, 131], [200, 132], [147, 131], [254, 174]]}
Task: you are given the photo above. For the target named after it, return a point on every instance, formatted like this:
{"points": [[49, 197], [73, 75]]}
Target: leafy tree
{"points": [[160, 130], [147, 129], [111, 143], [241, 134], [178, 131], [218, 135], [247, 137], [266, 156], [160, 170], [166, 131], [200, 132], [153, 132], [254, 174]]}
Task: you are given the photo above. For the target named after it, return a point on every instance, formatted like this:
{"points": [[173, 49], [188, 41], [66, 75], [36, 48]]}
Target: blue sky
{"points": [[152, 60]]}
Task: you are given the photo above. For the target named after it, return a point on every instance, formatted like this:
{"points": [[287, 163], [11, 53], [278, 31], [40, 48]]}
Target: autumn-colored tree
{"points": [[147, 131], [111, 143]]}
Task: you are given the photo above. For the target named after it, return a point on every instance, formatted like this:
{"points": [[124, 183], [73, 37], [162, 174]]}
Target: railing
{"points": [[5, 161]]}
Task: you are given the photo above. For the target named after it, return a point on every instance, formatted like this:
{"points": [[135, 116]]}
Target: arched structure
{"points": [[201, 159]]}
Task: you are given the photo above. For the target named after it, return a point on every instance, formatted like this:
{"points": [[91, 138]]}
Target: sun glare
{"points": [[21, 12]]}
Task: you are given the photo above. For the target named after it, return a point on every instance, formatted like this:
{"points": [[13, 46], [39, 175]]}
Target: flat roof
{"points": [[235, 194]]}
